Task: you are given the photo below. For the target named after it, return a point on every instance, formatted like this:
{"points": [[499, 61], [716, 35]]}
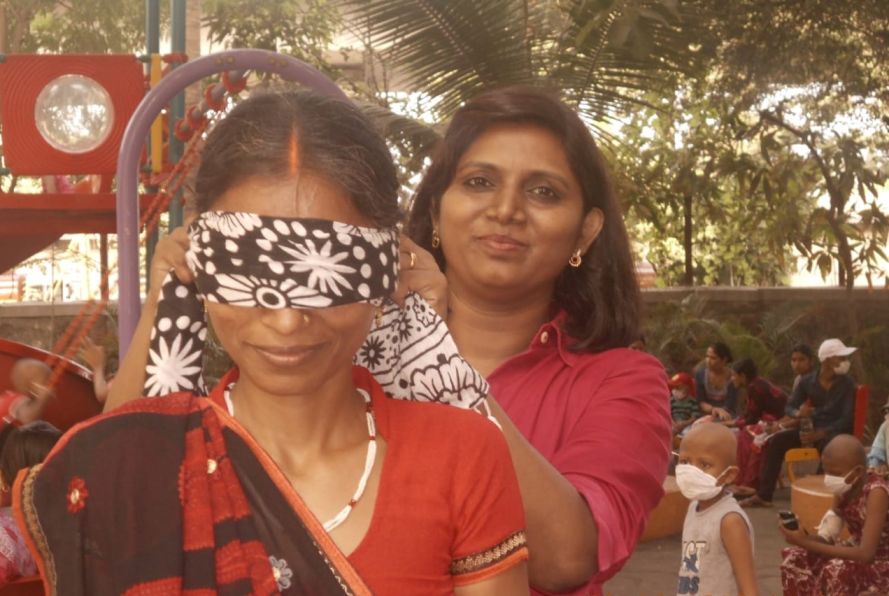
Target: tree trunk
{"points": [[847, 280], [4, 39], [686, 240], [194, 93]]}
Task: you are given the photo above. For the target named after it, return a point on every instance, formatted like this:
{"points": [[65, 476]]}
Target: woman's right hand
{"points": [[419, 273], [170, 254]]}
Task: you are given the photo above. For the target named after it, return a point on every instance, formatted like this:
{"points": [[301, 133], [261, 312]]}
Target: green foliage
{"points": [[87, 26], [745, 202], [301, 28], [599, 54]]}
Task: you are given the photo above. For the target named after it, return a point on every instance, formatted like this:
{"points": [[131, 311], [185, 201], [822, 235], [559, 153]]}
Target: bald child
{"points": [[717, 537], [861, 500], [30, 379]]}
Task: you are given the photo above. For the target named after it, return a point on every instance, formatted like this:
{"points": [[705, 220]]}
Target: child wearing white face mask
{"points": [[717, 537], [813, 566]]}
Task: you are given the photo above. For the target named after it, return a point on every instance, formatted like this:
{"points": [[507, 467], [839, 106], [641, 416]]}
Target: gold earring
{"points": [[378, 316], [436, 240], [575, 259]]}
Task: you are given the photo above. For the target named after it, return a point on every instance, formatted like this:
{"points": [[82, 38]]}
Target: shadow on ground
{"points": [[652, 569]]}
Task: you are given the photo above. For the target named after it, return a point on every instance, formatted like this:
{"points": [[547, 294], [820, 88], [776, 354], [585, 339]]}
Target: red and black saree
{"points": [[164, 497]]}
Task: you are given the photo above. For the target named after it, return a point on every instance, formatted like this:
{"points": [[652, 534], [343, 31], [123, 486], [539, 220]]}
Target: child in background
{"points": [[30, 393], [813, 565], [717, 537], [684, 406], [25, 446], [876, 459], [93, 355]]}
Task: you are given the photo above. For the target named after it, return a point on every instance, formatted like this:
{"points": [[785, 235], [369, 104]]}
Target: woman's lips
{"points": [[286, 355], [500, 244]]}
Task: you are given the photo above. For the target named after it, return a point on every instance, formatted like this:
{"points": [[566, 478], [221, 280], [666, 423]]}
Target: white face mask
{"points": [[837, 485], [695, 484], [842, 368]]}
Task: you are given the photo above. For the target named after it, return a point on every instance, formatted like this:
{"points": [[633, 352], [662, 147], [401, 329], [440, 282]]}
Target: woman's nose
{"points": [[285, 320], [508, 205]]}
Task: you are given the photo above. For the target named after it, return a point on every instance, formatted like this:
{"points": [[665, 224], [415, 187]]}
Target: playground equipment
{"points": [[107, 89], [75, 400], [62, 115], [235, 62]]}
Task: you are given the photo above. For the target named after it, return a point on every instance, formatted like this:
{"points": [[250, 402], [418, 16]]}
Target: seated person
{"points": [[716, 394], [717, 537], [876, 459], [827, 397], [765, 401], [765, 405], [684, 407], [802, 361], [814, 565], [25, 446]]}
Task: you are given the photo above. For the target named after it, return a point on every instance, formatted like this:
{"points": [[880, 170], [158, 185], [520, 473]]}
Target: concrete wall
{"points": [[41, 325]]}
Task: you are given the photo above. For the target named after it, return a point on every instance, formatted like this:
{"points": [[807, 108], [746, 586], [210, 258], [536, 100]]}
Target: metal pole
{"points": [[286, 67], [152, 48], [177, 108]]}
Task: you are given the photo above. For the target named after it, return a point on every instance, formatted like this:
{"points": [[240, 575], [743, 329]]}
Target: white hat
{"points": [[833, 347]]}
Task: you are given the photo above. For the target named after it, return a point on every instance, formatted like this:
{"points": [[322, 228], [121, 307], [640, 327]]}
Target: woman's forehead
{"points": [[304, 195], [512, 145]]}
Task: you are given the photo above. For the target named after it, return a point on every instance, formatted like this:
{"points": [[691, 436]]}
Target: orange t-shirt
{"points": [[448, 512]]}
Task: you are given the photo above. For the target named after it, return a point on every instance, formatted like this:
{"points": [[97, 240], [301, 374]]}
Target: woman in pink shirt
{"points": [[540, 293]]}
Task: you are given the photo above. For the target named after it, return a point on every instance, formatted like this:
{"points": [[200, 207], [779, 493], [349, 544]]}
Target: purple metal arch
{"points": [[286, 67]]}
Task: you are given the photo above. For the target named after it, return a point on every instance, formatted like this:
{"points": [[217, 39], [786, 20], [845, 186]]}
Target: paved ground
{"points": [[651, 571]]}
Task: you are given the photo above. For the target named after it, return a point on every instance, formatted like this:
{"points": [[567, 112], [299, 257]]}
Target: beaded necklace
{"points": [[369, 460]]}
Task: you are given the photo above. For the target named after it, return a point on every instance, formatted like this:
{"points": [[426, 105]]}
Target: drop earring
{"points": [[436, 240], [575, 259], [378, 316]]}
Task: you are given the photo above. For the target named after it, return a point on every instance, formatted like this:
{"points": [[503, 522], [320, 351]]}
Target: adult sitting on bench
{"points": [[827, 397]]}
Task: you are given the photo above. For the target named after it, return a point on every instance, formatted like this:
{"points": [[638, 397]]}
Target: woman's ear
{"points": [[590, 230]]}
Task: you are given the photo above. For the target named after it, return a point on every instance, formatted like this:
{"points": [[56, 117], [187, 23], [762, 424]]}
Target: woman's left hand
{"points": [[419, 273], [796, 537]]}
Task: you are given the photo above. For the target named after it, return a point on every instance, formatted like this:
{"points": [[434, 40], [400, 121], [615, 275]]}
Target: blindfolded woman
{"points": [[298, 475]]}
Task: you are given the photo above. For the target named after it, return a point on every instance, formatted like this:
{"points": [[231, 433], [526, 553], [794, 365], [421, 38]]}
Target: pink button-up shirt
{"points": [[603, 421]]}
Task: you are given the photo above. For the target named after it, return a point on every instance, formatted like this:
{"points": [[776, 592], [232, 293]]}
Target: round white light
{"points": [[74, 113]]}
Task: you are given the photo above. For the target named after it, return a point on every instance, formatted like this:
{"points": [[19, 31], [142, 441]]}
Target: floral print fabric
{"points": [[244, 259], [15, 560], [804, 573]]}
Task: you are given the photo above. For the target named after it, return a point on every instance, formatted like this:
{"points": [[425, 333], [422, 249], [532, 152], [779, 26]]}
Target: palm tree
{"points": [[603, 55]]}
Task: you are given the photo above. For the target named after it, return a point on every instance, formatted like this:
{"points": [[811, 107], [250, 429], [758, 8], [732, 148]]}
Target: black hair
{"points": [[26, 446], [722, 350], [745, 367], [803, 349], [601, 296], [272, 133]]}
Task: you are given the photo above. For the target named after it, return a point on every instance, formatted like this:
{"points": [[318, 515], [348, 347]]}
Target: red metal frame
{"points": [[23, 76]]}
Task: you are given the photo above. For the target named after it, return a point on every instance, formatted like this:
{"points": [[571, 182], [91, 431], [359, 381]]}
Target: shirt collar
{"points": [[551, 334]]}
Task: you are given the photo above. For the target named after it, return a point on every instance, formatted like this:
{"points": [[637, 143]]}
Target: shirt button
{"points": [[544, 337]]}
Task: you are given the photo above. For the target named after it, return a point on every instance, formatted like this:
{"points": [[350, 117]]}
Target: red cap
{"points": [[683, 379]]}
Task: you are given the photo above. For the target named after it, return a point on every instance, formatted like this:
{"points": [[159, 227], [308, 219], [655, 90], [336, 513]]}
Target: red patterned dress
{"points": [[804, 573]]}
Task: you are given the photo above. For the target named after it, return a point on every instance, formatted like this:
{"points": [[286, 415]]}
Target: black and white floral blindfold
{"points": [[244, 259]]}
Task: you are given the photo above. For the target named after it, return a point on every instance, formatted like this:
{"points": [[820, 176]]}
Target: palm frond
{"points": [[451, 49]]}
